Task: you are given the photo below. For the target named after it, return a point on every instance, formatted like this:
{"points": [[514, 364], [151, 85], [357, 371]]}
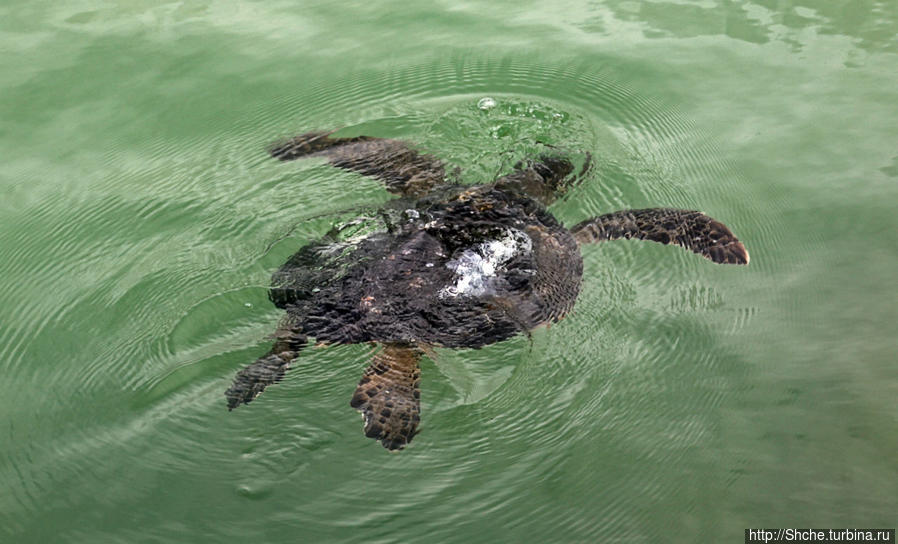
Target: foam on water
{"points": [[475, 268]]}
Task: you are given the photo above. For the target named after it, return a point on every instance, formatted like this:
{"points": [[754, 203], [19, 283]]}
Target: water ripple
{"points": [[169, 249]]}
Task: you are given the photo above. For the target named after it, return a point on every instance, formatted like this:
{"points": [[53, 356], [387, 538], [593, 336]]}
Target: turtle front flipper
{"points": [[402, 169], [266, 370], [688, 229], [388, 395]]}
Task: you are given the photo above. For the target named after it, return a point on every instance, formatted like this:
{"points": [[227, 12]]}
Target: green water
{"points": [[680, 401]]}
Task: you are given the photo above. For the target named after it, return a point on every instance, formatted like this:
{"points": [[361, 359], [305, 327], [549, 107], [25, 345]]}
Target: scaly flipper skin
{"points": [[688, 229], [266, 370], [389, 395], [403, 170]]}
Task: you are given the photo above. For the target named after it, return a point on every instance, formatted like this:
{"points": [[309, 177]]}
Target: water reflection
{"points": [[872, 25]]}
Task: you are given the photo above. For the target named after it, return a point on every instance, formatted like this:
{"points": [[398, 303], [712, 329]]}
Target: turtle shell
{"points": [[466, 270]]}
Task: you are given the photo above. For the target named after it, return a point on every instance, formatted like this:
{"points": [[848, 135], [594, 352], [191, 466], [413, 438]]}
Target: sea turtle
{"points": [[451, 266]]}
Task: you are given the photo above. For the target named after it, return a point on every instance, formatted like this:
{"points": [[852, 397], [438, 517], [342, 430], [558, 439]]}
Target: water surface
{"points": [[679, 401]]}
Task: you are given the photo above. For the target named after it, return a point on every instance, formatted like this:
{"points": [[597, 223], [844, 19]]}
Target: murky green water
{"points": [[680, 401]]}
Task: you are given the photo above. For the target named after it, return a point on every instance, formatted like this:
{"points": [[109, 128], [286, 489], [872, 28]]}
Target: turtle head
{"points": [[540, 179]]}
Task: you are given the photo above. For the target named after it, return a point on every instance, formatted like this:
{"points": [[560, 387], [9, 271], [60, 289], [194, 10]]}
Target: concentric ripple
{"points": [[150, 274]]}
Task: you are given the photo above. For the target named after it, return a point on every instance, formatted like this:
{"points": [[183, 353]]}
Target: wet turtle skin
{"points": [[450, 266]]}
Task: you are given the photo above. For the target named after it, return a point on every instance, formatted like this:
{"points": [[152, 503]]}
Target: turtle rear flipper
{"points": [[266, 370], [402, 169], [688, 229], [389, 395]]}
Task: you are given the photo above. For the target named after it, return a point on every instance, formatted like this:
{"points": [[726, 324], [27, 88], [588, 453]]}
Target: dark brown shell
{"points": [[391, 286]]}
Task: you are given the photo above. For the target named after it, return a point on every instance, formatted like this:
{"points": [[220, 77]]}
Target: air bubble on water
{"points": [[487, 103]]}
